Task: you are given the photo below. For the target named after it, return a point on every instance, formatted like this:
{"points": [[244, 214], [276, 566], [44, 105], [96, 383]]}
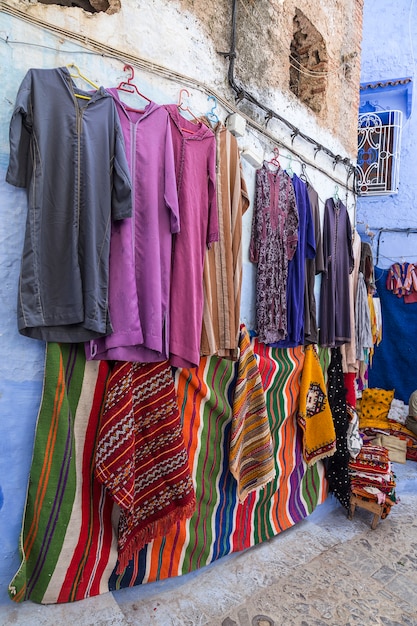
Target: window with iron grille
{"points": [[379, 143]]}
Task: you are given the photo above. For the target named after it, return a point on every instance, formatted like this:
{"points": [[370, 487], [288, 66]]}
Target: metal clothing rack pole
{"points": [[407, 231]]}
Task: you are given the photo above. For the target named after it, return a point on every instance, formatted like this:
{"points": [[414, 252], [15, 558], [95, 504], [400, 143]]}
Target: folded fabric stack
{"points": [[371, 477], [375, 418]]}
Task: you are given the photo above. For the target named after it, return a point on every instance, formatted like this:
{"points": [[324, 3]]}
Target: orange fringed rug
{"points": [[141, 457]]}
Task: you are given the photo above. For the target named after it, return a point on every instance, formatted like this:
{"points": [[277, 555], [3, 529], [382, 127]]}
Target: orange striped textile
{"points": [[251, 453], [222, 278]]}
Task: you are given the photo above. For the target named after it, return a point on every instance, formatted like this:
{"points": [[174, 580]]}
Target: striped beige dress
{"points": [[223, 261]]}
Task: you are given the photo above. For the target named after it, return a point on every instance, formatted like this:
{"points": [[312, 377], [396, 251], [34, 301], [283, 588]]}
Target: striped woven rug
{"points": [[68, 547], [222, 524]]}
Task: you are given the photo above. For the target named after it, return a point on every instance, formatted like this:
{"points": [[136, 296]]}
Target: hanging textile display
{"points": [[68, 545], [273, 244], [314, 415], [140, 455], [56, 132], [69, 549], [223, 260], [222, 524], [394, 359], [334, 292], [167, 436]]}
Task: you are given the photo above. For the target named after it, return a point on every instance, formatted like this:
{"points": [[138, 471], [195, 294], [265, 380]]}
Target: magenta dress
{"points": [[140, 247], [195, 161]]}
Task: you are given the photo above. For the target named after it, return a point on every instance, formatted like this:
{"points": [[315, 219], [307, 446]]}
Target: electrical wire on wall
{"points": [[243, 94], [151, 68]]}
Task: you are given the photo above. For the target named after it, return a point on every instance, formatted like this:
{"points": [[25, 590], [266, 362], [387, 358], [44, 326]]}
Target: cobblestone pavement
{"points": [[325, 571]]}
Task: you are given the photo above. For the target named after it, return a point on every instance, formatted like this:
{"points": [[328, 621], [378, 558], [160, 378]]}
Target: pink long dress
{"points": [[195, 163]]}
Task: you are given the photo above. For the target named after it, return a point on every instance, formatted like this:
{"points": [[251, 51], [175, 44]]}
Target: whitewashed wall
{"points": [[161, 32]]}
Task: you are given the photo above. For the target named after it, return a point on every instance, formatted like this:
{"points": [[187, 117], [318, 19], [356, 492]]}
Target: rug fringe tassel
{"points": [[159, 528]]}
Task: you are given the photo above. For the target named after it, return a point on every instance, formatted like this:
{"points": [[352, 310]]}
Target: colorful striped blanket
{"points": [[67, 546], [69, 550]]}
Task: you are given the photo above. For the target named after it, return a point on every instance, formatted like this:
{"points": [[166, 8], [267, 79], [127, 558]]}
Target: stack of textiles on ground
{"points": [[371, 477], [376, 417]]}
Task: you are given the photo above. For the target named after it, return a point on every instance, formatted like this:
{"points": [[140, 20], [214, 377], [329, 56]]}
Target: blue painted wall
{"points": [[389, 51], [22, 359]]}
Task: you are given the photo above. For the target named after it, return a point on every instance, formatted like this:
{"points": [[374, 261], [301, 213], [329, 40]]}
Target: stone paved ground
{"points": [[325, 571]]}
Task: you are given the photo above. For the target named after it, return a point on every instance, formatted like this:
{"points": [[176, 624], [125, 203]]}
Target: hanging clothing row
{"points": [[133, 264], [122, 266], [286, 245]]}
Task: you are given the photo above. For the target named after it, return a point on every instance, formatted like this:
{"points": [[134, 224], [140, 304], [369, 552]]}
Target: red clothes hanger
{"points": [[128, 86], [274, 160]]}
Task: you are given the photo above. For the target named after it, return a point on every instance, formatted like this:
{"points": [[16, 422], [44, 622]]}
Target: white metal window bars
{"points": [[379, 143]]}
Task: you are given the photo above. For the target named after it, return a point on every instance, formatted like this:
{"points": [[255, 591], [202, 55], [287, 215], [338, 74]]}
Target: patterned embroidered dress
{"points": [[273, 243]]}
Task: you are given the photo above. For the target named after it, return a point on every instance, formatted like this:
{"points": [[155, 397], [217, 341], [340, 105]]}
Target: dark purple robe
{"points": [[306, 249], [334, 317], [313, 267]]}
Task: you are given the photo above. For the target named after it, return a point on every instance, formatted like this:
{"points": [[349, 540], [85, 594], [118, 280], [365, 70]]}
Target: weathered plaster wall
{"points": [[265, 31], [184, 36], [389, 51]]}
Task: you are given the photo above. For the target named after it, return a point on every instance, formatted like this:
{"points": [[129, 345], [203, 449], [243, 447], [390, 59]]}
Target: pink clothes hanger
{"points": [[181, 106]]}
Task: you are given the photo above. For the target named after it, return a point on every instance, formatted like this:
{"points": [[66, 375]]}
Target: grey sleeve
{"points": [[20, 135], [122, 186]]}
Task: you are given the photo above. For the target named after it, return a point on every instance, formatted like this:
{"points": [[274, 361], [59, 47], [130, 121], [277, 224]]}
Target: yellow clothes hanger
{"points": [[77, 74]]}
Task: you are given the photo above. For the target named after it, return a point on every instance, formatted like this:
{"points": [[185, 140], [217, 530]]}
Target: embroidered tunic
{"points": [[69, 154], [195, 163], [273, 243], [140, 252]]}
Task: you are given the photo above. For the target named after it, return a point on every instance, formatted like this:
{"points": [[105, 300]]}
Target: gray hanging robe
{"points": [[68, 153]]}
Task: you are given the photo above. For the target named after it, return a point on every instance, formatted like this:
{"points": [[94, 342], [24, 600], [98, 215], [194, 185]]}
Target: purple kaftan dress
{"points": [[195, 161], [306, 249], [140, 248]]}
